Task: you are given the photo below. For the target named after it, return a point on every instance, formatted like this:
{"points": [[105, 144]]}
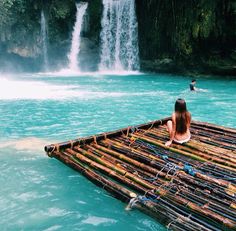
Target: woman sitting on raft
{"points": [[178, 127]]}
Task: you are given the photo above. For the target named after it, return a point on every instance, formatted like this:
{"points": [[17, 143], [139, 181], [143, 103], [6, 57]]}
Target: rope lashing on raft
{"points": [[127, 133], [105, 135], [95, 139], [169, 166], [179, 219], [189, 169], [132, 129], [71, 143], [136, 129], [142, 199], [146, 198], [186, 168], [55, 148], [150, 146]]}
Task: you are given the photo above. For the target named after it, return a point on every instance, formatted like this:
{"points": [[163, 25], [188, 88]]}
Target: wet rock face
{"points": [[20, 32], [196, 35], [90, 41]]}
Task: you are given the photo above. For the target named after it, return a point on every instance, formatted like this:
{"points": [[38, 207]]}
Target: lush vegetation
{"points": [[174, 35], [193, 35], [20, 31]]}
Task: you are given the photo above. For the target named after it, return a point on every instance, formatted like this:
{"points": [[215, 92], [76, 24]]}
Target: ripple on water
{"points": [[25, 197], [53, 228], [93, 220]]}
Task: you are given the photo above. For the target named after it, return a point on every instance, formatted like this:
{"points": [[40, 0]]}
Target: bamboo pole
{"points": [[80, 150], [227, 186], [193, 146], [212, 180], [201, 157], [115, 189], [199, 210], [123, 157], [180, 199], [112, 167], [192, 206], [129, 163], [123, 193], [116, 168], [198, 136], [213, 205], [119, 187], [215, 127], [86, 140], [205, 137], [182, 147], [207, 167]]}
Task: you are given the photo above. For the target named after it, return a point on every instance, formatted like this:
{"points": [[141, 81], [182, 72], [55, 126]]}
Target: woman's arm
{"points": [[173, 127]]}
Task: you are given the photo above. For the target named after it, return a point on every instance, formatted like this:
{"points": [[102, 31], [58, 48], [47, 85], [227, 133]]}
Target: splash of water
{"points": [[44, 40], [75, 45], [119, 36], [34, 89], [29, 143]]}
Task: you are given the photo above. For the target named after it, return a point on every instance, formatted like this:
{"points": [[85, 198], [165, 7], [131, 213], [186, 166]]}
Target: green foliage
{"points": [[60, 16], [12, 12], [61, 9], [207, 23], [20, 23], [95, 12], [5, 6], [195, 31], [185, 47]]}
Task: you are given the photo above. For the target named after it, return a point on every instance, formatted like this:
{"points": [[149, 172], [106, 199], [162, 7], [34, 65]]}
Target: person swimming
{"points": [[192, 85], [179, 126]]}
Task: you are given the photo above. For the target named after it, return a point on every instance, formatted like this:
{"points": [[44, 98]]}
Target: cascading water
{"points": [[75, 45], [119, 36], [44, 40]]}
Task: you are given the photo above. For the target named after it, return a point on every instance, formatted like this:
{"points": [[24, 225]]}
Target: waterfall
{"points": [[44, 40], [119, 36], [75, 45]]}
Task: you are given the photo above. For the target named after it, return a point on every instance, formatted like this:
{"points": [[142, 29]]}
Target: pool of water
{"points": [[39, 193]]}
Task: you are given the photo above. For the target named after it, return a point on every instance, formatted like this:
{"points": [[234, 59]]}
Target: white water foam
{"points": [[119, 36], [44, 40], [74, 73], [39, 90], [117, 72], [15, 90], [75, 44], [25, 144]]}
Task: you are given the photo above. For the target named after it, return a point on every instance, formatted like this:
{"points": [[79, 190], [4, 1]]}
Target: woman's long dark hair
{"points": [[182, 116]]}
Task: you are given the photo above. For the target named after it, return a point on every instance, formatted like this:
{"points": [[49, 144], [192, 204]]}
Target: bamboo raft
{"points": [[185, 187]]}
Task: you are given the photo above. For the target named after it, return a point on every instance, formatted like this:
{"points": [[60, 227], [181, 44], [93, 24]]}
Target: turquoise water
{"points": [[39, 193]]}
